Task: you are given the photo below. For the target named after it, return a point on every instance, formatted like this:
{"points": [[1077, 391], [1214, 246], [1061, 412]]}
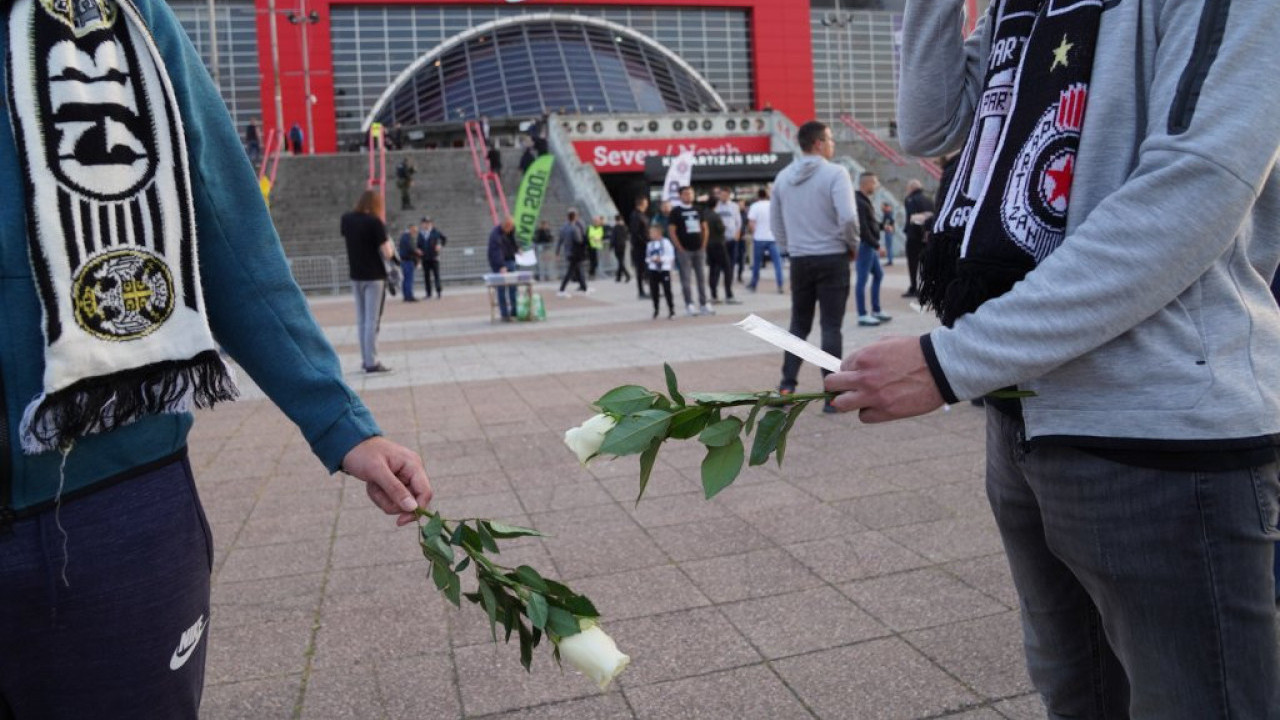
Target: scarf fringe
{"points": [[102, 404], [976, 282], [938, 262]]}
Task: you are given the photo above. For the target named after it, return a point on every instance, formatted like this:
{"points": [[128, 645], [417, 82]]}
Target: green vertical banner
{"points": [[533, 190]]}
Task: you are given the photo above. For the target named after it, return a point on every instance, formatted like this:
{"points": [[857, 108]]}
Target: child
{"points": [[661, 256]]}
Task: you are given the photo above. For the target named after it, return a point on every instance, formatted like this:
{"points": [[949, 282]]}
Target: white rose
{"points": [[594, 654], [585, 441]]}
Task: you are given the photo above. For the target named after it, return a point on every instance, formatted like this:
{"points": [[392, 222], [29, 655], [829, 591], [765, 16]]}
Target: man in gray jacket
{"points": [[1134, 480], [815, 219]]}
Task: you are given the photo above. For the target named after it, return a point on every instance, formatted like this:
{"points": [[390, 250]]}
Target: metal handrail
{"points": [[873, 140], [494, 195]]}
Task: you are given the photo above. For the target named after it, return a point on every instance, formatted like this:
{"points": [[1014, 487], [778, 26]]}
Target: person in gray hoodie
{"points": [[1133, 476], [815, 220]]}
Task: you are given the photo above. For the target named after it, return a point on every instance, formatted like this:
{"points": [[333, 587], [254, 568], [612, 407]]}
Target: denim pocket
{"points": [[1266, 486]]}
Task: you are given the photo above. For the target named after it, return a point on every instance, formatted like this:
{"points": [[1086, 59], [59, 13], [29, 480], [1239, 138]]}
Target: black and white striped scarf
{"points": [[1005, 209], [110, 222]]}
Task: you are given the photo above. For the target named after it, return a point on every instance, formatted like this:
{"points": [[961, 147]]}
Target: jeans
{"points": [[868, 264], [546, 255], [718, 262], [761, 248], [737, 255], [406, 283], [821, 280], [137, 560], [888, 247], [370, 296], [1145, 594], [694, 261], [506, 295]]}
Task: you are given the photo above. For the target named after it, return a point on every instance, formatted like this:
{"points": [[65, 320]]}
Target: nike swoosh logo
{"points": [[187, 644]]}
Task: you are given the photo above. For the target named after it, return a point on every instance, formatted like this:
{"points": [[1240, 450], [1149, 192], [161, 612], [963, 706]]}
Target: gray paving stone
{"points": [[339, 693], [802, 622], [990, 574], [638, 593], [563, 497], [392, 547], [894, 509], [491, 680], [604, 552], [257, 563], [602, 707], [710, 538], [920, 599], [764, 496], [755, 574], [876, 680], [274, 528], [347, 637], [266, 699], [853, 557], [492, 505], [417, 687], [678, 645], [1027, 707], [801, 523], [657, 512], [265, 601], [257, 650], [984, 653], [978, 714], [952, 539], [745, 693]]}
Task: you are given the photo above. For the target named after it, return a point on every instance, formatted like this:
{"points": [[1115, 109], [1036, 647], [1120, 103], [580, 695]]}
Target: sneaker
{"points": [[882, 317], [781, 291], [564, 293], [868, 320], [751, 288], [655, 313], [378, 369], [691, 310], [671, 315], [589, 291], [733, 301], [715, 301], [707, 310], [909, 294]]}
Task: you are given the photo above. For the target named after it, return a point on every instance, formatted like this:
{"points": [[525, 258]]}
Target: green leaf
{"points": [[486, 537], [722, 398], [507, 532], [509, 619], [786, 429], [531, 578], [466, 563], [662, 403], [626, 400], [490, 608], [635, 432], [580, 606], [672, 389], [647, 459], [537, 608], [441, 548], [556, 590], [751, 418], [434, 527], [470, 539], [721, 467], [447, 582], [562, 622], [688, 422], [722, 433], [526, 645], [768, 435]]}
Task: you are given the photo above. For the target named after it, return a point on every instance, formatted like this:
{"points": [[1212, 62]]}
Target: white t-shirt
{"points": [[760, 214]]}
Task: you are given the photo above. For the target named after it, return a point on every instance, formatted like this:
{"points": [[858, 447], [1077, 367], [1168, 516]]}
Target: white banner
{"points": [[679, 175]]}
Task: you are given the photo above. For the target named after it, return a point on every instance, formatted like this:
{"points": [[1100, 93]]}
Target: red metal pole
{"points": [[971, 16]]}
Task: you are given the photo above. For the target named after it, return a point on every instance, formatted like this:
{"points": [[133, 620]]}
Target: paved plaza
{"points": [[864, 579]]}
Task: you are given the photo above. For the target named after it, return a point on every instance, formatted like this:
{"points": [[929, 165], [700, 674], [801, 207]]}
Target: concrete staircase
{"points": [[312, 192]]}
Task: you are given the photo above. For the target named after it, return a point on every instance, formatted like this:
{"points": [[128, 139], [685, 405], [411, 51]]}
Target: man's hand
{"points": [[887, 380], [393, 475]]}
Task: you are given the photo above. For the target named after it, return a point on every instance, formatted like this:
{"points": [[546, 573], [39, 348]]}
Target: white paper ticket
{"points": [[784, 340]]}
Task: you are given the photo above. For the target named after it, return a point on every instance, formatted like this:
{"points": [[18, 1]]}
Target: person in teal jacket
{"points": [[104, 553]]}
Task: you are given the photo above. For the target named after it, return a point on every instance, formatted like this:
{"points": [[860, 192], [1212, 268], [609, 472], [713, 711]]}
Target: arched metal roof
{"points": [[543, 62]]}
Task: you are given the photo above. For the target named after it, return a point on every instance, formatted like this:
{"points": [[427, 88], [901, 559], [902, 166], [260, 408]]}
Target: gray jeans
{"points": [[695, 260], [1145, 594], [370, 296]]}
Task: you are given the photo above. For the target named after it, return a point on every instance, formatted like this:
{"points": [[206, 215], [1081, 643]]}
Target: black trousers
{"points": [[915, 245], [574, 272], [431, 269], [621, 257], [593, 255], [822, 281], [718, 263], [642, 272], [660, 280]]}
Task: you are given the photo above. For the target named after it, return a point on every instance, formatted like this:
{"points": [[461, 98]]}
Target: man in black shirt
{"points": [[639, 239], [689, 234]]}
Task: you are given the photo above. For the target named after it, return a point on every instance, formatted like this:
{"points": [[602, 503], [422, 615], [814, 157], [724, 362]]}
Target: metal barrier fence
{"points": [[316, 273]]}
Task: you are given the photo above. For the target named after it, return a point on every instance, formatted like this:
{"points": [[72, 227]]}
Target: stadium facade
{"points": [[424, 61]]}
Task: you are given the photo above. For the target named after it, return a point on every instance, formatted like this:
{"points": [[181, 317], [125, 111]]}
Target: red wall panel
{"points": [[780, 36]]}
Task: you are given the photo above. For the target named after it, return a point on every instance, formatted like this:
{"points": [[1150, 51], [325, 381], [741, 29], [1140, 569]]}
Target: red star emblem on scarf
{"points": [[1057, 183]]}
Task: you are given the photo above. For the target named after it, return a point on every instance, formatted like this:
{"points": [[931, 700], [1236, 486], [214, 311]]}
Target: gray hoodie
{"points": [[813, 208], [1154, 319]]}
